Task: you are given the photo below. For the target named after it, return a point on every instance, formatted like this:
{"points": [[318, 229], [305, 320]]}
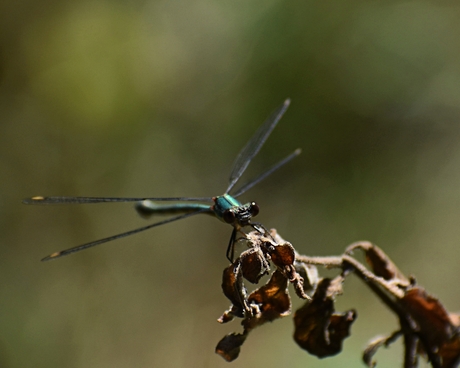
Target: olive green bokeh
{"points": [[155, 99]]}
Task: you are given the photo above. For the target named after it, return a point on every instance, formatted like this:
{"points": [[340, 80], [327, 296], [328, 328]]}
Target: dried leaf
{"points": [[310, 275], [375, 344], [272, 300], [283, 255], [379, 262], [229, 284], [253, 265], [267, 303], [436, 327], [318, 329], [233, 289], [335, 287], [229, 347], [450, 353], [433, 320]]}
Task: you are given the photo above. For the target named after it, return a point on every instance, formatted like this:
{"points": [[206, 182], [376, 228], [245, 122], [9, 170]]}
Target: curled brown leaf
{"points": [[375, 344], [254, 265], [318, 329], [379, 262], [272, 300], [229, 347], [433, 320]]}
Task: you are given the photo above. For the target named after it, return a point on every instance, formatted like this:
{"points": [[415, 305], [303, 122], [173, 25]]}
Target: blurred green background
{"points": [[155, 98]]}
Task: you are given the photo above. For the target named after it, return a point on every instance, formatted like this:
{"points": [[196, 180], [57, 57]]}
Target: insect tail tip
{"points": [[51, 257], [33, 200]]}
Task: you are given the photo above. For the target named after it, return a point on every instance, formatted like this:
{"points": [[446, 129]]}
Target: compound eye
{"points": [[229, 217], [254, 209]]}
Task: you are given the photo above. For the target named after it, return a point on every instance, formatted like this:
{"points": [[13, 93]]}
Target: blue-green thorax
{"points": [[231, 211]]}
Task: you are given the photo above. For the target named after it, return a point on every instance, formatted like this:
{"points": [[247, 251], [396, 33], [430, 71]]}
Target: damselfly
{"points": [[225, 207]]}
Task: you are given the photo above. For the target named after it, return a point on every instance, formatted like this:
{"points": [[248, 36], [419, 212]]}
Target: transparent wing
{"points": [[270, 171], [255, 143], [118, 236]]}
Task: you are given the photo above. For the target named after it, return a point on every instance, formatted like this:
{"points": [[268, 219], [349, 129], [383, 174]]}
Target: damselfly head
{"points": [[241, 216]]}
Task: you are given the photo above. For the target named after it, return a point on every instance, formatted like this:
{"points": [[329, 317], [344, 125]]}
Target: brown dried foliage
{"points": [[428, 330]]}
